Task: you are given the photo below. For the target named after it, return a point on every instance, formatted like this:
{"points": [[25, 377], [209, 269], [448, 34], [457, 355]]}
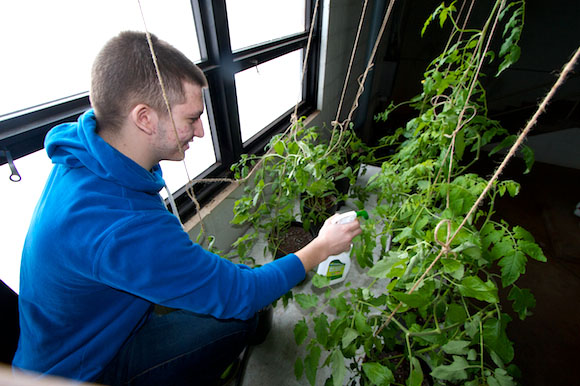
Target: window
{"points": [[258, 21], [267, 91], [251, 53], [17, 205], [56, 53]]}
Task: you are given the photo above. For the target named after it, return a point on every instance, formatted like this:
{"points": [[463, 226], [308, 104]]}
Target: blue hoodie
{"points": [[102, 247]]}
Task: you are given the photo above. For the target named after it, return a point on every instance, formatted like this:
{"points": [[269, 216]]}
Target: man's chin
{"points": [[177, 157]]}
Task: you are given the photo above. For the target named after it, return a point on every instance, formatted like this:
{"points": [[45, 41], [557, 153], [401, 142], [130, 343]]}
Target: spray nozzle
{"points": [[363, 214]]}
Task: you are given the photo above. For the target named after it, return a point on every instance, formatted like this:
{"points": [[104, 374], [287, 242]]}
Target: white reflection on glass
{"points": [[267, 91], [49, 46], [257, 21]]}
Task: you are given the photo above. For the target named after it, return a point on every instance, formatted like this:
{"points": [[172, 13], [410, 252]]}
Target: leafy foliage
{"points": [[301, 167], [434, 291]]}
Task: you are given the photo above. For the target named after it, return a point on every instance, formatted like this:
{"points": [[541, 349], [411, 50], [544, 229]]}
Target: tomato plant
{"points": [[433, 293]]}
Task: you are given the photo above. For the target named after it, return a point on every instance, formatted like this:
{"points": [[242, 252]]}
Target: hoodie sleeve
{"points": [[153, 258]]}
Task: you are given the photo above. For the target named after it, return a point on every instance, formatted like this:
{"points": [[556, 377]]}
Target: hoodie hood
{"points": [[78, 145]]}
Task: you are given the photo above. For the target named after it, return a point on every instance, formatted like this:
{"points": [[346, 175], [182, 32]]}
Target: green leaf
{"points": [[321, 328], [453, 372], [494, 336], [338, 368], [422, 296], [522, 234], [496, 359], [293, 148], [311, 364], [500, 378], [406, 233], [490, 235], [458, 347], [339, 303], [509, 59], [472, 326], [450, 265], [502, 249], [306, 301], [471, 355], [512, 187], [350, 334], [416, 299], [320, 281], [512, 266], [383, 267], [474, 287], [469, 249], [361, 324], [416, 376], [456, 313], [523, 301], [378, 374], [529, 157], [507, 142], [532, 249], [298, 368], [279, 147], [300, 332]]}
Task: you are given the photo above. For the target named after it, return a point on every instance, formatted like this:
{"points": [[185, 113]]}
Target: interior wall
{"points": [[340, 24], [548, 41]]}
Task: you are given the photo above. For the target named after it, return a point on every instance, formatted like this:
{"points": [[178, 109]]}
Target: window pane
{"points": [[198, 158], [48, 46], [267, 91], [17, 205], [256, 21]]}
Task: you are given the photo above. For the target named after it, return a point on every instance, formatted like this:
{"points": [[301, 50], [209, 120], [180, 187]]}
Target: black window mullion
{"points": [[24, 134], [221, 79], [310, 84], [254, 56]]}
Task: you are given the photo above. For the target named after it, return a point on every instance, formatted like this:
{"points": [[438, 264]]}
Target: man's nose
{"points": [[198, 131]]}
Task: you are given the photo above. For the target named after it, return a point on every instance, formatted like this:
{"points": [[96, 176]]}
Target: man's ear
{"points": [[144, 118]]}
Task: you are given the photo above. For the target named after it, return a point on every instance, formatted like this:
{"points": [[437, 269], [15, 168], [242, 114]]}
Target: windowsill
{"points": [[210, 206]]}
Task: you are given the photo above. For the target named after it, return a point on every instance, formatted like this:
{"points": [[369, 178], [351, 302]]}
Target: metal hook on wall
{"points": [[14, 176]]}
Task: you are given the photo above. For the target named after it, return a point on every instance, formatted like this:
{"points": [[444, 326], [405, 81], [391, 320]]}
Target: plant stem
{"points": [[481, 344]]}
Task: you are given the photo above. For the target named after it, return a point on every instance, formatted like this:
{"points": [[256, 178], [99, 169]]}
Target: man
{"points": [[102, 249]]}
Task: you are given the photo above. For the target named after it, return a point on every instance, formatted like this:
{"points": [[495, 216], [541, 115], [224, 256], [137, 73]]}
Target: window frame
{"points": [[23, 132]]}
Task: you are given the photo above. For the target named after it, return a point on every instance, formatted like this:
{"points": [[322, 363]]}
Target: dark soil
{"points": [[294, 239], [401, 373]]}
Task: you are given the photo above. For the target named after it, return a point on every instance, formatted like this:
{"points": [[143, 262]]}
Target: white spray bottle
{"points": [[336, 267]]}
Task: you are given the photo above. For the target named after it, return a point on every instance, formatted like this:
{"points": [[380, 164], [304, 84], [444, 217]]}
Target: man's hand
{"points": [[331, 240]]}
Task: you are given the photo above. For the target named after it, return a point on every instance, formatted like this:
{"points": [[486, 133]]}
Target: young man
{"points": [[102, 249]]}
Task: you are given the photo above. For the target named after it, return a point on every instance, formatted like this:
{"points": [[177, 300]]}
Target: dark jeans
{"points": [[179, 348]]}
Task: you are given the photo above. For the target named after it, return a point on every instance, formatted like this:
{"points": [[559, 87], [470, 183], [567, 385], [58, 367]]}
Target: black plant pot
{"points": [[291, 239], [342, 185]]}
